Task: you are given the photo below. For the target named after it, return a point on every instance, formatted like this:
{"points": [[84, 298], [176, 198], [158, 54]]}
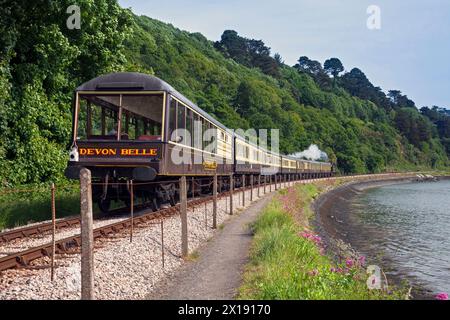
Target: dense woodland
{"points": [[237, 80]]}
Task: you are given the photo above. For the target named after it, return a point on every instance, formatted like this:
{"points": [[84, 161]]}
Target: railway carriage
{"points": [[132, 126], [290, 165]]}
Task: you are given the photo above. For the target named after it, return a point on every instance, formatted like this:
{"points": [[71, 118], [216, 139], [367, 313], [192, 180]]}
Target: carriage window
{"points": [[172, 117], [177, 120], [181, 121], [211, 137], [189, 130], [197, 131], [204, 130], [141, 117], [98, 117], [241, 150]]}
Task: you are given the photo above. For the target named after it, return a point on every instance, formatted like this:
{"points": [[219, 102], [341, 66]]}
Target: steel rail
{"points": [[40, 228]]}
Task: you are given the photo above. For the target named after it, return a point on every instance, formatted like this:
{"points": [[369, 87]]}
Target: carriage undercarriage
{"points": [[165, 192]]}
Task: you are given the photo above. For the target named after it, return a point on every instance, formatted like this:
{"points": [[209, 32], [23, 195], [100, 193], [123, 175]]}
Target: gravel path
{"points": [[217, 274]]}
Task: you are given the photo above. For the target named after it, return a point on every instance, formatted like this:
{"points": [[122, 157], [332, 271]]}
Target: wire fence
{"points": [[22, 206]]}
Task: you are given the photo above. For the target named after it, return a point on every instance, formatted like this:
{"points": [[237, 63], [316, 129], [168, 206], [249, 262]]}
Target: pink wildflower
{"points": [[442, 296], [362, 260], [349, 262], [313, 273]]}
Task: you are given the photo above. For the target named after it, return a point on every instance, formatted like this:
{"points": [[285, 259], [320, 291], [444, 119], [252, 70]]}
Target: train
{"points": [[130, 126]]}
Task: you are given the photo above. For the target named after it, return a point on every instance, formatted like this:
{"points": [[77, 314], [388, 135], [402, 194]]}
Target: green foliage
{"points": [[357, 84], [333, 66], [42, 61], [413, 126], [440, 117], [235, 80], [33, 204], [249, 52]]}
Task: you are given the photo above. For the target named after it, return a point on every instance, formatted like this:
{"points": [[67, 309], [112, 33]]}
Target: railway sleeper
{"points": [[9, 263], [31, 232], [10, 237], [25, 259]]}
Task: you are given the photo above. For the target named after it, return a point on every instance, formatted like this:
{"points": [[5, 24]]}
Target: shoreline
{"points": [[333, 221]]}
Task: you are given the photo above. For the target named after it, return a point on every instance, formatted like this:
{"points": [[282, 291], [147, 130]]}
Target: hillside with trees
{"points": [[237, 80]]}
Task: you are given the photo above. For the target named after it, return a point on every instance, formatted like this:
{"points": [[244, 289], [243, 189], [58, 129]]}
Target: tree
{"points": [[249, 52], [357, 84], [278, 59], [233, 46], [394, 95], [400, 100], [309, 66], [415, 127], [242, 101], [333, 66]]}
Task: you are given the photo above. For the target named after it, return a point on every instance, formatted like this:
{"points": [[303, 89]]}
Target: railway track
{"points": [[46, 227], [66, 245], [37, 229], [42, 228]]}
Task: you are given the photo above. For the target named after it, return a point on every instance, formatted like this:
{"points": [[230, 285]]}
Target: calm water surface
{"points": [[408, 225]]}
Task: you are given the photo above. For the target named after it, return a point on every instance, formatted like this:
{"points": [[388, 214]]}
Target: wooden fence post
{"points": [[259, 184], [131, 210], [183, 214], [231, 193], [52, 276], [243, 190], [162, 243], [215, 202], [87, 236], [251, 188]]}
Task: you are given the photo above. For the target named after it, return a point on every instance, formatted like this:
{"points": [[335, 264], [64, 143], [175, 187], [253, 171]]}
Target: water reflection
{"points": [[409, 225]]}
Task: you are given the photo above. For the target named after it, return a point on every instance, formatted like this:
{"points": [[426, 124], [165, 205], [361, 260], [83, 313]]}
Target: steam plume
{"points": [[312, 153]]}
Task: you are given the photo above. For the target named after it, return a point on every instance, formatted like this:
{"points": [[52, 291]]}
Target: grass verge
{"points": [[33, 204], [287, 260]]}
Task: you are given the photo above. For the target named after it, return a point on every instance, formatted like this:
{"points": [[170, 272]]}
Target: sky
{"points": [[409, 52]]}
